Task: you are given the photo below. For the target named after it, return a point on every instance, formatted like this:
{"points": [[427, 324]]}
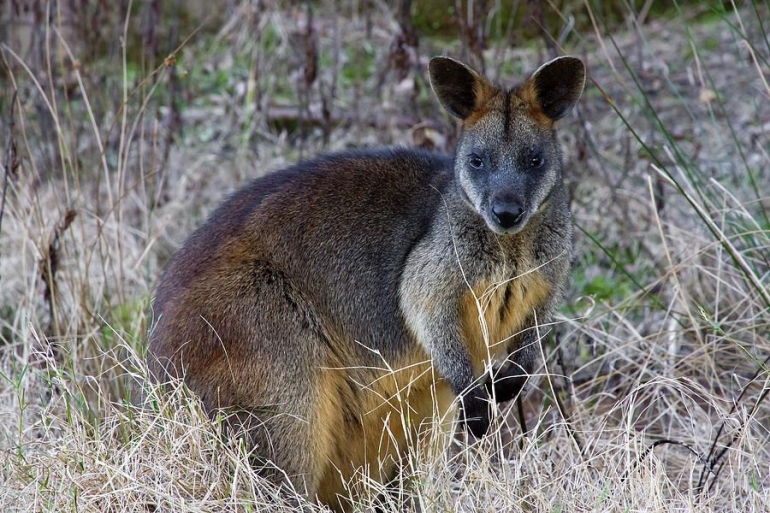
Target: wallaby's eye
{"points": [[475, 162], [536, 160]]}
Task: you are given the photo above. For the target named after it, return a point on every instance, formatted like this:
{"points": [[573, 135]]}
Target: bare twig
{"points": [[656, 444], [10, 155], [50, 265], [713, 460]]}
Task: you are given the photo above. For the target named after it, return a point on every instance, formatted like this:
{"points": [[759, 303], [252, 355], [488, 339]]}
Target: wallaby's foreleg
{"points": [[508, 379], [436, 323]]}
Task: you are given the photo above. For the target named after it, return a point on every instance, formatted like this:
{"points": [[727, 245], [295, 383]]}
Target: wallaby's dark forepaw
{"points": [[506, 382], [474, 412]]}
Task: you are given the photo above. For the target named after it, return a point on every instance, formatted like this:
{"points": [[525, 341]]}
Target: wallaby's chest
{"points": [[505, 281], [495, 310]]}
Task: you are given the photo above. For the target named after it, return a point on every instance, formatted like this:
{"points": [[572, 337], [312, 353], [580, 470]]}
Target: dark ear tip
{"points": [[440, 63], [434, 64], [436, 60], [577, 65], [571, 59], [566, 68], [569, 64]]}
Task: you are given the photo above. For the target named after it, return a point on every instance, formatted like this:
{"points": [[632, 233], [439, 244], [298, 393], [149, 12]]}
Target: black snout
{"points": [[507, 213]]}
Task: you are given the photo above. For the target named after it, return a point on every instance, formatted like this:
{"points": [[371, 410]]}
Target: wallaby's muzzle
{"points": [[508, 214]]}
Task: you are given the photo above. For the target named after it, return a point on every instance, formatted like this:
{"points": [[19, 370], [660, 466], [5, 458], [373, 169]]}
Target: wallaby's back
{"points": [[341, 305], [349, 220]]}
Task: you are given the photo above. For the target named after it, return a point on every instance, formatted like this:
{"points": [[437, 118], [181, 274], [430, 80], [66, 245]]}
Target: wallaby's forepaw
{"points": [[474, 411], [507, 382]]}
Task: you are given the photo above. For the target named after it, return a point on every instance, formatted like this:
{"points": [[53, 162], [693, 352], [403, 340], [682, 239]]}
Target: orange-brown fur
{"points": [[494, 312], [396, 406]]}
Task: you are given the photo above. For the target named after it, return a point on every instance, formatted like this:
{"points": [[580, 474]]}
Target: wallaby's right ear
{"points": [[557, 85], [459, 89]]}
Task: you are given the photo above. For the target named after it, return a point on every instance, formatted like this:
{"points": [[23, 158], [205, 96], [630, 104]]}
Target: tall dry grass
{"points": [[652, 392]]}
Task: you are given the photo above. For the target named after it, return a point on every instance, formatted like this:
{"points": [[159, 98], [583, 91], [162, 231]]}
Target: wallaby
{"points": [[343, 304]]}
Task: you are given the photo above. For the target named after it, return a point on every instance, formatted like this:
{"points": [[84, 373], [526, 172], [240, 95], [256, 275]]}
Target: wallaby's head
{"points": [[508, 159]]}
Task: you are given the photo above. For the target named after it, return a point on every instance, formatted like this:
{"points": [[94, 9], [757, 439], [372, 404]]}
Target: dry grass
{"points": [[110, 164]]}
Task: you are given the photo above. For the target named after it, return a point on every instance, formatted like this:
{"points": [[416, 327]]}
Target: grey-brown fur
{"points": [[298, 294]]}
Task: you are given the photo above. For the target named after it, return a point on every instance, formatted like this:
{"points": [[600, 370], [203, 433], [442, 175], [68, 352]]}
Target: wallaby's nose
{"points": [[507, 213]]}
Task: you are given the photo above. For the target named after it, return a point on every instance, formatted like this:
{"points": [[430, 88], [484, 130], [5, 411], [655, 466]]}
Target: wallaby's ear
{"points": [[457, 87], [557, 85]]}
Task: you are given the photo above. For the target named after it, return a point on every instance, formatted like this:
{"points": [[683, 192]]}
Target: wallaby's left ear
{"points": [[557, 85]]}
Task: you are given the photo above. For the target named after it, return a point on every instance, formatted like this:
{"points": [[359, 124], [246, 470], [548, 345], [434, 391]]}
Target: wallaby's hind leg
{"points": [[276, 353]]}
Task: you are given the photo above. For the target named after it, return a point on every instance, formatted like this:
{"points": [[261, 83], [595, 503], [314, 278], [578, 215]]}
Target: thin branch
{"points": [[9, 155], [713, 459], [661, 442]]}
